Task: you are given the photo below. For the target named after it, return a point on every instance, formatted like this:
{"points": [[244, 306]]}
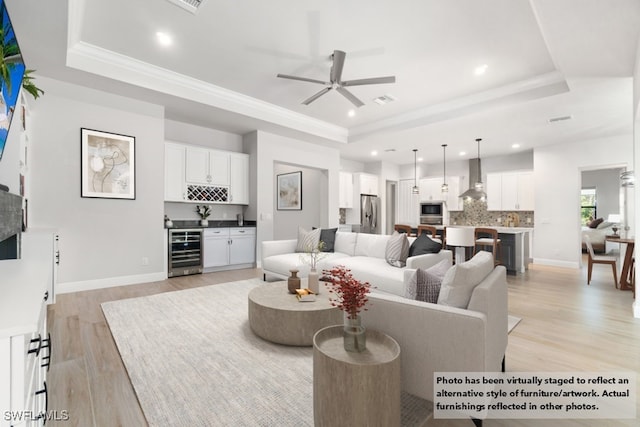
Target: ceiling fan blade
{"points": [[338, 64], [351, 97], [302, 79], [371, 81], [316, 96]]}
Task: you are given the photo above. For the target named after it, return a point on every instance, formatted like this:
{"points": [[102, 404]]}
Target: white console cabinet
{"points": [[27, 286], [229, 248]]}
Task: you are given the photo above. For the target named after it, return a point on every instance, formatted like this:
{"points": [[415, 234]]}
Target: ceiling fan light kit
{"points": [[336, 83]]}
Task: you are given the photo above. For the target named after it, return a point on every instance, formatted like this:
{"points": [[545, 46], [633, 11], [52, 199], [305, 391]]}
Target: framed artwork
{"points": [[289, 192], [108, 165]]}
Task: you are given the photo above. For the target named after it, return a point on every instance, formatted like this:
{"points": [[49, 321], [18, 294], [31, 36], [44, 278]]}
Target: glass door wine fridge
{"points": [[185, 252]]}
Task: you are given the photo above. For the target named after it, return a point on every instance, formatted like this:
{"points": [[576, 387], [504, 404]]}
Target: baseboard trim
{"points": [[556, 263], [111, 282]]}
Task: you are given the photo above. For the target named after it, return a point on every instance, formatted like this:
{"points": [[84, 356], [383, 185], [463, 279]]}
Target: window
{"points": [[588, 210]]}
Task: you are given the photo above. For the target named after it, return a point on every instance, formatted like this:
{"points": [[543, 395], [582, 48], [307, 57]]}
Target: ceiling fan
{"points": [[336, 82]]}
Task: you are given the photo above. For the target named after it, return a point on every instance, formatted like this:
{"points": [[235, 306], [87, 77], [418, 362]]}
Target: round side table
{"points": [[355, 389]]}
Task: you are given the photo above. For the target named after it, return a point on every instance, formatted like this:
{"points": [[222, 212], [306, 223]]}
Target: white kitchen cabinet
{"points": [[227, 248], [239, 178], [206, 167], [453, 199], [346, 190], [431, 190], [174, 174], [367, 184], [27, 287], [510, 191], [242, 245]]}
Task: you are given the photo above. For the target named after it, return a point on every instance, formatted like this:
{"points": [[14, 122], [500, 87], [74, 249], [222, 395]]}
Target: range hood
{"points": [[475, 175]]}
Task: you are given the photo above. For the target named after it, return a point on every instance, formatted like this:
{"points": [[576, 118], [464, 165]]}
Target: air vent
{"points": [[560, 119], [190, 5], [384, 99], [390, 150]]}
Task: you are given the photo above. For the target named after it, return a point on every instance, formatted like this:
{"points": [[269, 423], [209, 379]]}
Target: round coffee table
{"points": [[277, 316]]}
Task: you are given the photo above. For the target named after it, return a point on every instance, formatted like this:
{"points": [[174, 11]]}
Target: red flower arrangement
{"points": [[351, 293]]}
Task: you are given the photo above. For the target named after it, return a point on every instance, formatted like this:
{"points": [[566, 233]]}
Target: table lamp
{"points": [[615, 219]]}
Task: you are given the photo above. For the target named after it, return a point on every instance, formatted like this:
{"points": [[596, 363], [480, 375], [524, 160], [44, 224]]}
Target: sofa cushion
{"points": [[461, 279], [345, 242], [371, 245], [424, 244], [424, 284], [307, 240], [397, 250], [328, 238], [382, 276]]}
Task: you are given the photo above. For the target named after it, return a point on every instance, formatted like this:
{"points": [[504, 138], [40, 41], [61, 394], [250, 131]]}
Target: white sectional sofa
{"points": [[363, 254]]}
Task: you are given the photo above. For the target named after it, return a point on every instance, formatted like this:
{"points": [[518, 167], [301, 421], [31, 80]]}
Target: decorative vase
{"points": [[293, 282], [204, 222], [313, 281], [355, 338]]}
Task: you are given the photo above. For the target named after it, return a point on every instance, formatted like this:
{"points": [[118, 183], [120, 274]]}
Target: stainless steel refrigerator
{"points": [[369, 214]]}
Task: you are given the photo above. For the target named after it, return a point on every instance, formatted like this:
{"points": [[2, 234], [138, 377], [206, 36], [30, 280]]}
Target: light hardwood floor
{"points": [[566, 326]]}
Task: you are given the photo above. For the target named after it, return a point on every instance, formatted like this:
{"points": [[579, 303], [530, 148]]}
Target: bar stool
{"points": [[430, 229], [488, 237], [461, 238], [401, 228]]}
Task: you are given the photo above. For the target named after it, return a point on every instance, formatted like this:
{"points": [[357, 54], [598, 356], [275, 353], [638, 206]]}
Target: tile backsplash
{"points": [[475, 213]]}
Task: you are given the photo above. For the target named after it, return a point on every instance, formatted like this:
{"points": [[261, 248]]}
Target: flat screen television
{"points": [[11, 73]]}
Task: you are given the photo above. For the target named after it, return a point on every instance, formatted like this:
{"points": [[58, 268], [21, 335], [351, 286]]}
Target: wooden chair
{"points": [[401, 228], [429, 229], [599, 259], [488, 237]]}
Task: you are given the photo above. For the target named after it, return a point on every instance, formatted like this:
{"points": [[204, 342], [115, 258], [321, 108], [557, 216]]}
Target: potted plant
{"points": [[351, 296], [204, 211]]}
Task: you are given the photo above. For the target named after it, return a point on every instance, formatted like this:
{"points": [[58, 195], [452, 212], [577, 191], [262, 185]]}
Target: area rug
{"points": [[193, 361], [512, 322]]}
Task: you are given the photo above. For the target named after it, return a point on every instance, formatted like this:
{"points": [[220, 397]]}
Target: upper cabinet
{"points": [[208, 167], [239, 178], [346, 190], [510, 191], [198, 174], [431, 191], [366, 183]]}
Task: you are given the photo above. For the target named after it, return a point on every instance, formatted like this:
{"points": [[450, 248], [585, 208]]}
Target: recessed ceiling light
{"points": [[480, 69], [164, 39], [420, 159], [462, 153], [351, 113], [515, 146], [374, 153]]}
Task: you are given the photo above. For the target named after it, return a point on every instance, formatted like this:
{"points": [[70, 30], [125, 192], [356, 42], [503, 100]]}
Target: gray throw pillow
{"points": [[307, 240], [424, 284], [397, 250]]}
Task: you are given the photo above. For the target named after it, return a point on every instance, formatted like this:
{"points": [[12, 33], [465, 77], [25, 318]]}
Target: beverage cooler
{"points": [[185, 252]]}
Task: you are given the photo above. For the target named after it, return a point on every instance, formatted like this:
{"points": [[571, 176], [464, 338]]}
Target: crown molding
{"points": [[94, 59]]}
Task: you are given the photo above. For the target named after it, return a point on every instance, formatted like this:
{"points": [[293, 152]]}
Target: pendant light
{"points": [[479, 185], [445, 186], [415, 189]]}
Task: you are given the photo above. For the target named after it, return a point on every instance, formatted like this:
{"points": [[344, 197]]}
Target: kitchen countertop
{"points": [[503, 230], [195, 223]]}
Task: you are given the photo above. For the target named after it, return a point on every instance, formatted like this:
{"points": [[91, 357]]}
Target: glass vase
{"points": [[355, 338]]}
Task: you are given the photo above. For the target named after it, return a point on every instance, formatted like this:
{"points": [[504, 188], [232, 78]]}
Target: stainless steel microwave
{"points": [[431, 208]]}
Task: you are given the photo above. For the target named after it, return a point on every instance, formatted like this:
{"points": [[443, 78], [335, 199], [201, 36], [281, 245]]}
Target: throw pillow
{"points": [[595, 223], [307, 240], [424, 285], [328, 237], [424, 245], [461, 279], [397, 250]]}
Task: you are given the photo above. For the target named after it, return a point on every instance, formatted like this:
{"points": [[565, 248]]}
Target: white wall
{"points": [[314, 183], [102, 241], [557, 172], [268, 150]]}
